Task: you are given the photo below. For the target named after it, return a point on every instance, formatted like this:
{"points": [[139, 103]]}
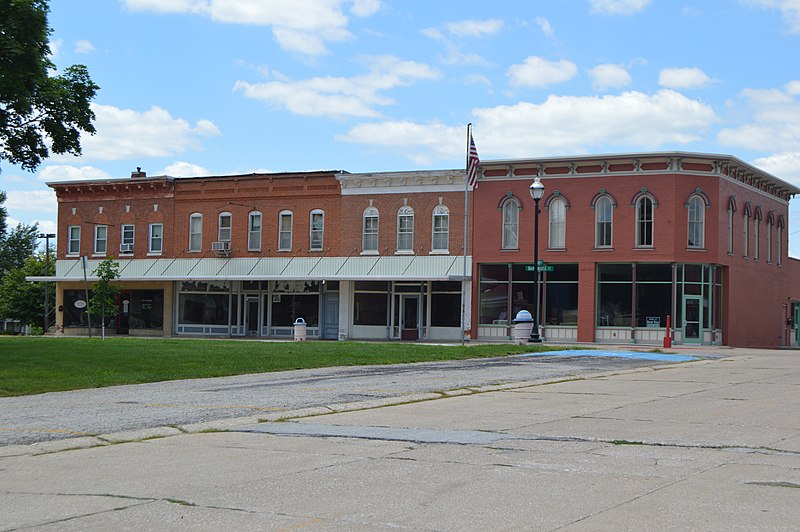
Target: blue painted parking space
{"points": [[663, 357]]}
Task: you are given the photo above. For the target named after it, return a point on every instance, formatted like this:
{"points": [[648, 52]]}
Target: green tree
{"points": [[3, 214], [38, 108], [16, 247], [22, 300], [104, 293]]}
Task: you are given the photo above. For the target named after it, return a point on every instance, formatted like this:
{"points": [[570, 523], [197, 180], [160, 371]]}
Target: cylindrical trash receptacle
{"points": [[523, 325], [300, 330]]}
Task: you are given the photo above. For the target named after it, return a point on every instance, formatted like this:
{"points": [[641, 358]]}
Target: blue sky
{"points": [[197, 87]]}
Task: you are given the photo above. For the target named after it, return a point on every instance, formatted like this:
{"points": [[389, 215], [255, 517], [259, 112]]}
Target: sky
{"points": [[215, 87]]}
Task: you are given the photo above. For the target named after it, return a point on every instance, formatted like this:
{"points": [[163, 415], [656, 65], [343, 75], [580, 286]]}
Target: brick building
{"points": [[635, 238], [369, 256]]}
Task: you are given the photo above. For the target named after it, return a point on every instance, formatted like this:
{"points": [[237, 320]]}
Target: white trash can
{"points": [[523, 325], [300, 330]]}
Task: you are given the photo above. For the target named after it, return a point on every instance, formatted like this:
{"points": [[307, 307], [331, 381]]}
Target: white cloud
{"points": [[183, 169], [474, 28], [545, 26], [538, 72], [62, 172], [609, 76], [683, 78], [784, 165], [128, 134], [37, 202], [55, 47], [559, 125], [790, 11], [84, 47], [775, 125], [618, 7], [341, 97], [303, 26]]}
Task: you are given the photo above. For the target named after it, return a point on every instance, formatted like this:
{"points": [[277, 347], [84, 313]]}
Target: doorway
{"points": [[123, 313], [796, 323], [330, 316], [409, 316], [251, 321], [692, 319]]}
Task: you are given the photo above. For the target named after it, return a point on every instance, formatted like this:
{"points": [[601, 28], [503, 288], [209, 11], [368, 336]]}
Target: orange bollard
{"points": [[668, 337]]}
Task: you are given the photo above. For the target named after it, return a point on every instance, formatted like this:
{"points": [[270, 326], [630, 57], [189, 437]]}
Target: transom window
{"points": [[603, 212], [369, 239], [441, 229], [405, 229], [317, 229], [510, 211]]}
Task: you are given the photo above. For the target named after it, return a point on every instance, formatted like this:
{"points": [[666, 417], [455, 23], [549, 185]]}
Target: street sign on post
{"points": [[542, 267]]}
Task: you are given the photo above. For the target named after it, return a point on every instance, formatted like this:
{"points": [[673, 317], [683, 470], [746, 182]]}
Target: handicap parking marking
{"points": [[637, 355]]}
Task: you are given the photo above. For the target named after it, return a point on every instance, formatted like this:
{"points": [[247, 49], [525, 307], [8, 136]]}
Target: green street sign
{"points": [[542, 267]]}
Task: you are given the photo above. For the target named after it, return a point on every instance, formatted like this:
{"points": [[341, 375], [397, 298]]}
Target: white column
{"points": [[345, 313]]}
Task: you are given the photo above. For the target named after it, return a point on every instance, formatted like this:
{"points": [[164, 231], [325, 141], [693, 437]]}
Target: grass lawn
{"points": [[30, 365]]}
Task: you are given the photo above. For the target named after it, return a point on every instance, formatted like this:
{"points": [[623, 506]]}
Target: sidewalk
{"points": [[713, 444]]}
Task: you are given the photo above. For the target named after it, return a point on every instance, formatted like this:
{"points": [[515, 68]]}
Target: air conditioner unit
{"points": [[221, 246], [126, 248]]}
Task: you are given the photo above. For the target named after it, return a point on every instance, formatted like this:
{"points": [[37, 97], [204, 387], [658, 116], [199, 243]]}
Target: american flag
{"points": [[472, 164]]}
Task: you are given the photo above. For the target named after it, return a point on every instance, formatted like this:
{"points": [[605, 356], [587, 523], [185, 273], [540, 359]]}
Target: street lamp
{"points": [[47, 237], [537, 191]]}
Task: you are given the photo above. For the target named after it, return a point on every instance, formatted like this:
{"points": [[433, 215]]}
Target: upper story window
{"points": [[441, 229], [196, 232], [73, 240], [731, 210], [100, 239], [317, 223], [369, 238], [224, 232], [405, 229], [126, 238], [156, 238], [285, 231], [696, 207], [510, 211], [780, 239], [770, 223], [746, 229], [558, 224], [644, 222], [254, 231], [604, 222], [756, 231]]}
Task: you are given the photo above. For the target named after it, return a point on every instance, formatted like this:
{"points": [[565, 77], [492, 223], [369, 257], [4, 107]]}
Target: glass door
{"points": [[796, 323], [692, 319], [409, 317], [251, 315]]}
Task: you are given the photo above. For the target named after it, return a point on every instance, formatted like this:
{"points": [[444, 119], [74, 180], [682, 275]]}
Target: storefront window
{"points": [[561, 297], [370, 308], [204, 309], [446, 304], [286, 308], [493, 296], [614, 295], [146, 309]]}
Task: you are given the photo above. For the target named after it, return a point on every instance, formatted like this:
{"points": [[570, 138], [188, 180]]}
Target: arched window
{"points": [[196, 232], [285, 231], [317, 224], [558, 224], [644, 222], [604, 219], [224, 228], [254, 231], [405, 229], [696, 207], [369, 238], [441, 229], [510, 211]]}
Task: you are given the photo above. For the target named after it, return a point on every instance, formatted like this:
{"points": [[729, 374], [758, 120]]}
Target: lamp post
{"points": [[537, 191], [47, 237]]}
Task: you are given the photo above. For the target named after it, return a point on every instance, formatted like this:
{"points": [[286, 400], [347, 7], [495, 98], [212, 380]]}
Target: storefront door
{"points": [[692, 319], [796, 323], [251, 315], [409, 317], [330, 316], [123, 313]]}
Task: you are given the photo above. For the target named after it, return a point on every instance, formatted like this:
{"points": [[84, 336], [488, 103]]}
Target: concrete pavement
{"points": [[713, 444]]}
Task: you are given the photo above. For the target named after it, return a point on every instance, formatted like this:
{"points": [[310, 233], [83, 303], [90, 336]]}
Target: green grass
{"points": [[30, 365]]}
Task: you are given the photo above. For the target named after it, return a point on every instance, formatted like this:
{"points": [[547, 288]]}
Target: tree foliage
{"points": [[39, 112], [16, 247], [104, 293], [22, 300]]}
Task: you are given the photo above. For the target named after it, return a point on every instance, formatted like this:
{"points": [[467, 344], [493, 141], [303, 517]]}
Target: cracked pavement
{"points": [[713, 444]]}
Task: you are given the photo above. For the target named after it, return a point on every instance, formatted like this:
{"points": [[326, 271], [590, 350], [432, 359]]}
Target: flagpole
{"points": [[466, 217]]}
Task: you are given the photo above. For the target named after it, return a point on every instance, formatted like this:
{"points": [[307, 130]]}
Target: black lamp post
{"points": [[537, 191], [47, 237]]}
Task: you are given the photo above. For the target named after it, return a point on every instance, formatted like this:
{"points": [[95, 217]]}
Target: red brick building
{"points": [[633, 239]]}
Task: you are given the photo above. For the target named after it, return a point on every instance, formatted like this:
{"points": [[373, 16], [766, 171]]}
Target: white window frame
{"points": [[284, 231], [510, 224], [254, 230], [696, 206], [369, 235], [73, 240], [645, 228], [316, 229], [405, 229], [100, 242], [195, 233], [127, 238], [603, 214], [440, 229], [155, 243], [780, 244], [557, 230], [224, 227]]}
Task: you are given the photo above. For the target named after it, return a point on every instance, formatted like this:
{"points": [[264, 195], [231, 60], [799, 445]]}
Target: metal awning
{"points": [[374, 268]]}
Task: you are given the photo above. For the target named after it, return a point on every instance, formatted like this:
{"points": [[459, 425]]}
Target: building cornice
{"points": [[408, 182]]}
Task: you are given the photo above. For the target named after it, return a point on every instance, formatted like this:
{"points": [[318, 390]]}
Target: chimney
{"points": [[138, 173]]}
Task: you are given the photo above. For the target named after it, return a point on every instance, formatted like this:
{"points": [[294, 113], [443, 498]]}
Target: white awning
{"points": [[375, 268]]}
